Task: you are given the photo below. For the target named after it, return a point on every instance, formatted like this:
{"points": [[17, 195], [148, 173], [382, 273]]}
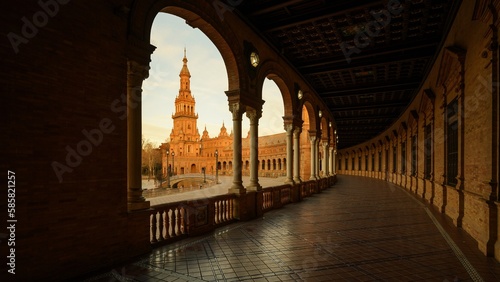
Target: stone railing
{"points": [[168, 222], [275, 197], [174, 221]]}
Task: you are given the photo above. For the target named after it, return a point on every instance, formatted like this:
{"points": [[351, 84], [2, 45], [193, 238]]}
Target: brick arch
{"points": [[312, 115], [276, 72], [200, 15], [325, 129]]}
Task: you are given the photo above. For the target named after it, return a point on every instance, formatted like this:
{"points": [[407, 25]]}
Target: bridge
{"points": [[174, 180]]}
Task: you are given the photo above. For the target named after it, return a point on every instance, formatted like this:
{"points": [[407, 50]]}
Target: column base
{"points": [[254, 187], [237, 190], [290, 181], [135, 206], [297, 180]]}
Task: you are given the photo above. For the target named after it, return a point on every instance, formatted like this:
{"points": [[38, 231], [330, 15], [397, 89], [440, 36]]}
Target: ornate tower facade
{"points": [[185, 136], [195, 153]]}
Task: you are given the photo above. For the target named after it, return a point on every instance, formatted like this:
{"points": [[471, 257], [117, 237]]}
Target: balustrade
{"points": [[167, 222], [174, 221]]}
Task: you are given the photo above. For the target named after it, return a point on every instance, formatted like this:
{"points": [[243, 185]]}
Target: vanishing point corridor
{"points": [[360, 229]]}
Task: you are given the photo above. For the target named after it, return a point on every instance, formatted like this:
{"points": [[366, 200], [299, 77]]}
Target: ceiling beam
{"points": [[330, 9], [372, 58], [371, 89], [355, 134], [368, 107], [389, 117], [275, 7]]}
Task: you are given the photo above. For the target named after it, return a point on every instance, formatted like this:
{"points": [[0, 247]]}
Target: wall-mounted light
{"points": [[254, 59], [320, 114], [300, 94], [330, 124], [335, 132]]}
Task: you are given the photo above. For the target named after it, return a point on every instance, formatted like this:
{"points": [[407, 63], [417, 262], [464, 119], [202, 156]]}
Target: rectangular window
{"points": [[394, 158], [379, 160], [414, 155], [427, 152], [403, 158], [366, 162], [452, 143], [373, 162], [387, 160], [359, 162], [346, 160], [352, 164]]}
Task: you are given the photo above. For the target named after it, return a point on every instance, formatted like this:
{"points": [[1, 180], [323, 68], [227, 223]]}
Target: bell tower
{"points": [[185, 129]]}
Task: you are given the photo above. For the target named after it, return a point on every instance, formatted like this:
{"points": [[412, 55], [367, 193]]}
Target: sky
{"points": [[170, 34]]}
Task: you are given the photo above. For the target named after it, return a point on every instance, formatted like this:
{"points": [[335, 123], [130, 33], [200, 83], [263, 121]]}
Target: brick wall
{"points": [[467, 203], [60, 82]]}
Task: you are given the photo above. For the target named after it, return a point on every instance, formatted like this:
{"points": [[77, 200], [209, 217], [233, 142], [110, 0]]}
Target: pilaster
{"points": [[136, 73]]}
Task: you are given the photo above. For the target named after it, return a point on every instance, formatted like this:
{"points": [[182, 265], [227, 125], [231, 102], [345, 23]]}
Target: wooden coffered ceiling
{"points": [[369, 89]]}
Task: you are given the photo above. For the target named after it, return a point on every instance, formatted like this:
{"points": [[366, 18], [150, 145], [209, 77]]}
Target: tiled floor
{"points": [[359, 230]]}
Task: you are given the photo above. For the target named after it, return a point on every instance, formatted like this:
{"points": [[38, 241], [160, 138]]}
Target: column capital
{"points": [[297, 130], [245, 97], [237, 109], [289, 128], [139, 50], [253, 114], [136, 73]]}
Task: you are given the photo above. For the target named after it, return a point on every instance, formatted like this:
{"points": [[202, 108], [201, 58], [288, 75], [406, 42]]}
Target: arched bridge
{"points": [[174, 180]]}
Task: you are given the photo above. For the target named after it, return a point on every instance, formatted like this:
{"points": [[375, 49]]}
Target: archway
{"points": [[309, 132], [141, 17]]}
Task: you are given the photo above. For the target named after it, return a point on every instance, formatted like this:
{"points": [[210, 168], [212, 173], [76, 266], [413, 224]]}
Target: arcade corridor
{"points": [[358, 230], [402, 91]]}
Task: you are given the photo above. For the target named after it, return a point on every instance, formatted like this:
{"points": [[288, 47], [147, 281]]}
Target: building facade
{"points": [[188, 152]]}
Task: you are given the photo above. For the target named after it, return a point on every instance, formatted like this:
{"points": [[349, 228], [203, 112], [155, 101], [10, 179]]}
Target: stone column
{"points": [[313, 157], [296, 153], [237, 110], [254, 117], [326, 155], [334, 162], [289, 153], [318, 141], [135, 75]]}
